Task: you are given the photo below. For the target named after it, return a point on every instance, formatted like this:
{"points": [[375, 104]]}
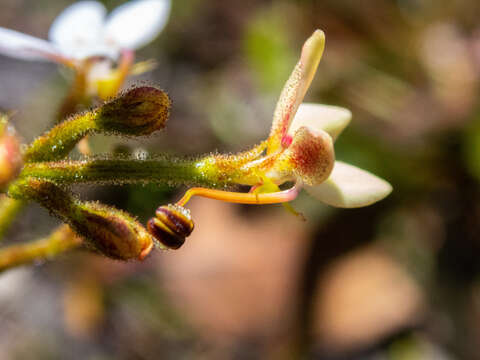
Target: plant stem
{"points": [[9, 208], [172, 171], [59, 241], [59, 141]]}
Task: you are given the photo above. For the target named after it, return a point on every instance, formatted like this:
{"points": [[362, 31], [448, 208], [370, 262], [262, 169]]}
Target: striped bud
{"points": [[171, 225], [139, 111], [110, 231]]}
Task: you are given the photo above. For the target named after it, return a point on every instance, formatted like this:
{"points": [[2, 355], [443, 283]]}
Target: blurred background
{"points": [[397, 280]]}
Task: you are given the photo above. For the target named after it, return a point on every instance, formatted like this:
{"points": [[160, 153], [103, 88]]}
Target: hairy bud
{"points": [[108, 230], [10, 155], [113, 233], [139, 111], [171, 225]]}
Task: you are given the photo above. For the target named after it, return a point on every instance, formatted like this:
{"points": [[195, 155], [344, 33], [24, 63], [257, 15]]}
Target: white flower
{"points": [[84, 30], [304, 134]]}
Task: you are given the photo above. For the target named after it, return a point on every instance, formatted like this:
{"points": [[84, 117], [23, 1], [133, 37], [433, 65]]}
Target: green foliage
{"points": [[268, 51]]}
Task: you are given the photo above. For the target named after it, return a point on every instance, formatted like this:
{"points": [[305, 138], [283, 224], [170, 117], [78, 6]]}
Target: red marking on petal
{"points": [[312, 155], [286, 140]]}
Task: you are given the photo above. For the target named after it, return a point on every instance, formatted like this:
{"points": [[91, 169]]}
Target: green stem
{"points": [[172, 171], [59, 141], [9, 208], [61, 240], [139, 111]]}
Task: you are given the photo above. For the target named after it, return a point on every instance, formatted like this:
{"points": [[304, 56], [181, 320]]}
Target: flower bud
{"points": [[139, 111], [171, 225], [110, 231], [10, 155]]}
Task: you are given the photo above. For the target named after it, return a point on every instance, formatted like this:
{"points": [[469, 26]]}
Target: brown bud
{"points": [[10, 155], [139, 111], [112, 232], [171, 225]]}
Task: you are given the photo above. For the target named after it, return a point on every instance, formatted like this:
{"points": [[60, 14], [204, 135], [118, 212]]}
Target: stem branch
{"points": [[59, 241]]}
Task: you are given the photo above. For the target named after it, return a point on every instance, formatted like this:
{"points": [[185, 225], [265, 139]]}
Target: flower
{"points": [[82, 30], [299, 149], [304, 134], [84, 38]]}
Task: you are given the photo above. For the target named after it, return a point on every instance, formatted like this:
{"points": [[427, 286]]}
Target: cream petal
{"points": [[137, 23], [78, 30], [22, 46], [350, 187], [332, 119], [295, 89]]}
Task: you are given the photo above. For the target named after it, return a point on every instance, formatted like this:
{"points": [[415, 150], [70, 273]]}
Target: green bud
{"points": [[139, 111]]}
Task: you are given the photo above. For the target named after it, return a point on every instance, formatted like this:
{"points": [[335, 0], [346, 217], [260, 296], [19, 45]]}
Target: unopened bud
{"points": [[112, 232], [139, 111], [171, 225], [108, 230], [10, 155]]}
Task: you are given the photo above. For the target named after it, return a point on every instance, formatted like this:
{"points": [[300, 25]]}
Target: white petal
{"points": [[22, 46], [350, 187], [295, 89], [79, 28], [136, 23], [332, 119]]}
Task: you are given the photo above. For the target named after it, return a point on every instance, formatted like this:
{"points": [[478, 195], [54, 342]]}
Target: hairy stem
{"points": [[59, 241], [59, 141], [173, 171]]}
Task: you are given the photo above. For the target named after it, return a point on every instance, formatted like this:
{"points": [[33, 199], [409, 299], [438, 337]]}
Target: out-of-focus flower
{"points": [[84, 38], [83, 30], [299, 150]]}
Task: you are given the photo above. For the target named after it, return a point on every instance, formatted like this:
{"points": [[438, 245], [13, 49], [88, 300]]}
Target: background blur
{"points": [[397, 280]]}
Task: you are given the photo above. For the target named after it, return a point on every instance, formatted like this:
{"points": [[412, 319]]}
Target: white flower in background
{"points": [[84, 30]]}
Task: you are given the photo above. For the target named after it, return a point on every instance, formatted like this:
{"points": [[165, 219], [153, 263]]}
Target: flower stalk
{"points": [[139, 111], [61, 240]]}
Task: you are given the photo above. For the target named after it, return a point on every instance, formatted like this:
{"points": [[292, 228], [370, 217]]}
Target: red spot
{"points": [[286, 140]]}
